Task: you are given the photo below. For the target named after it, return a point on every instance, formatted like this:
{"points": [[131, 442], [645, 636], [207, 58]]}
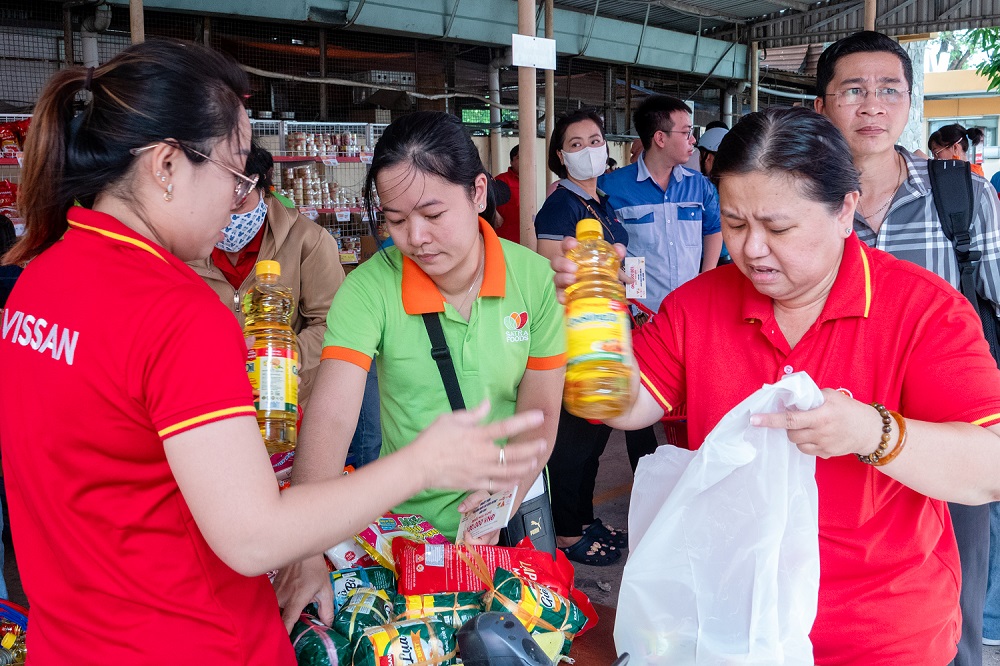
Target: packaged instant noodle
{"points": [[424, 641], [433, 568], [366, 607], [318, 645], [377, 539], [349, 554], [537, 607], [455, 608]]}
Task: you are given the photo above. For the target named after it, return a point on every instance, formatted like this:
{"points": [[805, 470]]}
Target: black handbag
{"points": [[951, 184], [534, 517]]}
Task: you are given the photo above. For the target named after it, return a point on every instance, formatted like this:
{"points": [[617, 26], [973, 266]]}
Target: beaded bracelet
{"points": [[900, 443], [873, 457]]}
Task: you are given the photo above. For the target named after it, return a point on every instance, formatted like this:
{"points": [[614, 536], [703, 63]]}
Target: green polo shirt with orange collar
{"points": [[516, 324]]}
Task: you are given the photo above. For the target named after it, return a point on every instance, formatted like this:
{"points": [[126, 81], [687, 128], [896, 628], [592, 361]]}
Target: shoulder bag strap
{"points": [[951, 184], [442, 356]]}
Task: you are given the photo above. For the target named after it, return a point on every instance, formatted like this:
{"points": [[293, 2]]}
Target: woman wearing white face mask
{"points": [[268, 227], [578, 154]]}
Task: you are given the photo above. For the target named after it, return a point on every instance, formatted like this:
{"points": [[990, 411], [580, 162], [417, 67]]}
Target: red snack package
{"points": [[10, 145], [436, 568], [8, 194], [21, 130]]}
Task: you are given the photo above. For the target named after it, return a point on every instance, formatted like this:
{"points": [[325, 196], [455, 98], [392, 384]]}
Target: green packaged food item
{"points": [[537, 607], [366, 607], [381, 579], [318, 645], [425, 641], [454, 608]]}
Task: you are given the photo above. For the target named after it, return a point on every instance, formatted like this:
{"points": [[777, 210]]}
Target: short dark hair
{"points": [[653, 115], [794, 141], [559, 135], [716, 123], [260, 162], [866, 41], [949, 135], [515, 150], [8, 235], [432, 143]]}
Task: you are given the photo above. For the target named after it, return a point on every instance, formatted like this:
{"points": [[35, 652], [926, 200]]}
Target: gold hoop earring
{"points": [[168, 195]]}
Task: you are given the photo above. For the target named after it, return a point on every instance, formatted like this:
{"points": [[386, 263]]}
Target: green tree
{"points": [[987, 42]]}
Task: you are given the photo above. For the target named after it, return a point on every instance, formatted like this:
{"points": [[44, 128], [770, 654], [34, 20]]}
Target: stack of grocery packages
{"points": [[402, 592]]}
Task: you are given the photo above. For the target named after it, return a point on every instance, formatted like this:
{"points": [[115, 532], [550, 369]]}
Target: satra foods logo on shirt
{"points": [[515, 323]]}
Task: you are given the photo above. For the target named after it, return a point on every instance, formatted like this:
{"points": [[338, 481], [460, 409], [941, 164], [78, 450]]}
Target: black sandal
{"points": [[595, 554], [598, 531]]}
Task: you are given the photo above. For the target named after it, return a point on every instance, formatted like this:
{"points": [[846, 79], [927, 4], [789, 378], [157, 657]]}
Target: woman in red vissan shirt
{"points": [[804, 294], [142, 501]]}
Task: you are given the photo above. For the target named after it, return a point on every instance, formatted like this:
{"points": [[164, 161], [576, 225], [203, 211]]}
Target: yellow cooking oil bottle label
{"points": [[597, 329], [273, 374]]}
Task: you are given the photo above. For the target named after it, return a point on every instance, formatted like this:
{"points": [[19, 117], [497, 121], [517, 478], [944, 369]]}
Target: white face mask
{"points": [[587, 163], [242, 228]]}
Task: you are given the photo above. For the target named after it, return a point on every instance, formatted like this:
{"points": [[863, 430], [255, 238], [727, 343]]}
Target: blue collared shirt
{"points": [[664, 226]]}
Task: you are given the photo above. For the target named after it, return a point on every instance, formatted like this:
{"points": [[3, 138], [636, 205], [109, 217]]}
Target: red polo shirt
{"points": [[511, 211], [110, 345], [236, 274], [890, 331]]}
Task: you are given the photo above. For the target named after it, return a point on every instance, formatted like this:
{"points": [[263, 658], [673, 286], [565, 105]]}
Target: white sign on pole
{"points": [[535, 52]]}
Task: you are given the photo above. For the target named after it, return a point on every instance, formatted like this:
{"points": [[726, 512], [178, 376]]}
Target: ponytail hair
{"points": [[160, 89], [949, 135]]}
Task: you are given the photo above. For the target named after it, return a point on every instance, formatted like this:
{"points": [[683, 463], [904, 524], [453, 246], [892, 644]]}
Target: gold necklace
{"points": [[479, 274], [899, 181]]}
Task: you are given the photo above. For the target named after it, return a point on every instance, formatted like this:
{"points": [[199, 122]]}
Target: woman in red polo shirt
{"points": [[804, 294], [142, 501]]}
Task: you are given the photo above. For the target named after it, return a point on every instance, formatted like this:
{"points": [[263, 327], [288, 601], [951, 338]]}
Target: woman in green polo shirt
{"points": [[494, 299]]}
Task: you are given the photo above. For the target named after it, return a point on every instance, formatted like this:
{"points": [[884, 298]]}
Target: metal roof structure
{"points": [[776, 23]]}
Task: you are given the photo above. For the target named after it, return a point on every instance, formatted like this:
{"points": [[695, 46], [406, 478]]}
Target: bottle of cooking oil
{"points": [[272, 363], [598, 337]]}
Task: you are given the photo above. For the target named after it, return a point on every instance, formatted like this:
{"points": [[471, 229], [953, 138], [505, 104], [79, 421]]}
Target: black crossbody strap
{"points": [[951, 183], [442, 356]]}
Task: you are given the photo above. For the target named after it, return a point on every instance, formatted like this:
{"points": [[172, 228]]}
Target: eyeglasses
{"points": [[244, 184], [689, 132], [941, 150], [855, 96]]}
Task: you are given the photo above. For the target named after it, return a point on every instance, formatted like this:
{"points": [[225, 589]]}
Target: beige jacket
{"points": [[310, 265]]}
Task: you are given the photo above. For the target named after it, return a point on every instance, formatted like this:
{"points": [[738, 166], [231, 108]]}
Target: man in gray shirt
{"points": [[863, 84]]}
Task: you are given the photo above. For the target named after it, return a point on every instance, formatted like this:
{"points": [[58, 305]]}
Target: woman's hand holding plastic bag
{"points": [[725, 544]]}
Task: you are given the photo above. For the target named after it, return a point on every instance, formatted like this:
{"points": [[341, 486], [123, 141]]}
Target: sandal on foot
{"points": [[598, 531], [592, 553]]}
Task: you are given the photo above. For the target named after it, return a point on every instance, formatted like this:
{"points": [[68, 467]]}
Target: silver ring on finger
{"points": [[503, 460], [490, 491]]}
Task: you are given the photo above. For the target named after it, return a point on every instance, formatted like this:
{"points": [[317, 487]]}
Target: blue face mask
{"points": [[242, 228]]}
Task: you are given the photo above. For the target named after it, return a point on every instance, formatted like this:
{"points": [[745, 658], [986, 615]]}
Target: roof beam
{"points": [[695, 10]]}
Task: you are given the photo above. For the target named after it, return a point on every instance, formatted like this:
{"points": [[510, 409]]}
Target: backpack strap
{"points": [[951, 185], [442, 356]]}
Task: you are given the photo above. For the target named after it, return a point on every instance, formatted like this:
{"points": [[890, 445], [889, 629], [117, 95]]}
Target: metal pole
{"points": [[137, 23], [323, 109], [527, 103], [68, 36], [870, 11], [754, 75], [550, 94]]}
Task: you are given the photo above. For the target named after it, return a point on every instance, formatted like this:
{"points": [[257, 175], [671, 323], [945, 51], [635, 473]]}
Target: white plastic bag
{"points": [[724, 542]]}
